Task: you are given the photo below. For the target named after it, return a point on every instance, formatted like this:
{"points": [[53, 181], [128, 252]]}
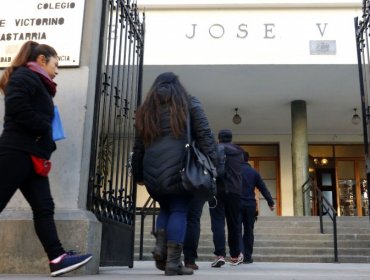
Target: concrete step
{"points": [[289, 239], [285, 258], [283, 250], [312, 243]]}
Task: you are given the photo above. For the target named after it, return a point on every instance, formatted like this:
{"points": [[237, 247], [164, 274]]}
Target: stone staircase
{"points": [[287, 239]]}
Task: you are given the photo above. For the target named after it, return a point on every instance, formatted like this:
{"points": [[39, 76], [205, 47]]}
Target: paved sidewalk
{"points": [[256, 271]]}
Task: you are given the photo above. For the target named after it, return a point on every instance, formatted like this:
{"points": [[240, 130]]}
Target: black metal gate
{"points": [[112, 196], [362, 29]]}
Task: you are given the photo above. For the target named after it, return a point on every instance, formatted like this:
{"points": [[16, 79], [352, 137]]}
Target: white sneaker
{"points": [[220, 261], [238, 260]]}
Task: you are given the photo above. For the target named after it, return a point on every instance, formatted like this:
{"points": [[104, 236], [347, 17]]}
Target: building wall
{"points": [[183, 35], [75, 99], [272, 32], [69, 174]]}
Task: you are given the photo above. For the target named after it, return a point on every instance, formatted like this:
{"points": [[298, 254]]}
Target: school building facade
{"points": [[281, 74], [289, 70]]}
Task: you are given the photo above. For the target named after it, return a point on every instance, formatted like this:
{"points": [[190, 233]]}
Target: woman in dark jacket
{"points": [[26, 144], [157, 160]]}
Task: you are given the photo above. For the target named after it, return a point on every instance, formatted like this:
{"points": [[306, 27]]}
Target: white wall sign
{"points": [[52, 22], [250, 36]]}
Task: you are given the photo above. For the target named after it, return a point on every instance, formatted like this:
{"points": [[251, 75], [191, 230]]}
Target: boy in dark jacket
{"points": [[228, 203], [251, 179]]}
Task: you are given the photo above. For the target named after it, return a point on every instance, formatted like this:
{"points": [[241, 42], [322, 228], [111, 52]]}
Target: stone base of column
{"points": [[22, 253]]}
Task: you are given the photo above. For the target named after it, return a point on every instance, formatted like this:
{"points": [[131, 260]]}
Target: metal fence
{"points": [[362, 29], [112, 195]]}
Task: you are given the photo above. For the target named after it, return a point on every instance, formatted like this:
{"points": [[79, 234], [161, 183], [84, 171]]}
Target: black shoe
{"points": [[247, 261], [191, 265], [69, 262]]}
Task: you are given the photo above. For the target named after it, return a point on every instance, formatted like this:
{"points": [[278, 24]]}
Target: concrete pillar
{"points": [[78, 228], [299, 153]]}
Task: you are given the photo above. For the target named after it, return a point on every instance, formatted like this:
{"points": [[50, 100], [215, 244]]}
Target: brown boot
{"points": [[160, 249], [174, 265]]}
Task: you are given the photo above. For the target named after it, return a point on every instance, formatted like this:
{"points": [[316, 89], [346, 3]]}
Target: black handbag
{"points": [[198, 174]]}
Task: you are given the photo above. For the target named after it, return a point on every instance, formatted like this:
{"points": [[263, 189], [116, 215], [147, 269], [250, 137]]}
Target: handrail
{"points": [[324, 204], [305, 188], [149, 208]]}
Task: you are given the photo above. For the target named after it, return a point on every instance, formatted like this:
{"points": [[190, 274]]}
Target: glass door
{"points": [[364, 199], [352, 187], [268, 170], [265, 159]]}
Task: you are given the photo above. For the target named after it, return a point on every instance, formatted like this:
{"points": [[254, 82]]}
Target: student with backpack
{"points": [[227, 203]]}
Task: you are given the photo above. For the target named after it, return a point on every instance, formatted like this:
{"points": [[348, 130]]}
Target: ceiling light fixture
{"points": [[321, 162], [237, 118], [355, 118]]}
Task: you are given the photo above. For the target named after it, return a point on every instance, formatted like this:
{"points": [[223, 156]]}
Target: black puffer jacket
{"points": [[159, 164], [29, 110]]}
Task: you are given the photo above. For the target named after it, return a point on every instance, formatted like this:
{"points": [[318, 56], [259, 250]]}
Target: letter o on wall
{"points": [[216, 31]]}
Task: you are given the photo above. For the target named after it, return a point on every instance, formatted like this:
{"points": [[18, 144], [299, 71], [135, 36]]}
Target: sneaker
{"points": [[68, 262], [191, 265], [247, 261], [238, 260], [220, 261]]}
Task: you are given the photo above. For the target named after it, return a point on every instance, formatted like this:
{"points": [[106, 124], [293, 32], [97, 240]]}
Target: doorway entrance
{"points": [[265, 159], [325, 179], [340, 173]]}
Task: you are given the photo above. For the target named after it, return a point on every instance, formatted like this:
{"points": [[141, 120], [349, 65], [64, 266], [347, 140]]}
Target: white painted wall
{"points": [[248, 35], [247, 3]]}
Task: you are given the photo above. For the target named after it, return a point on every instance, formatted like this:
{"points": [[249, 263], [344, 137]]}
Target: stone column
{"points": [[299, 153]]}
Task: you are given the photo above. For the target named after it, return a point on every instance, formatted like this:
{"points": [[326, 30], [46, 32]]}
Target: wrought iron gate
{"points": [[362, 29], [112, 196]]}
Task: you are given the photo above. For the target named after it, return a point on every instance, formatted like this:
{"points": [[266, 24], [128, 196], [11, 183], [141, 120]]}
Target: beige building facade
{"points": [[257, 58]]}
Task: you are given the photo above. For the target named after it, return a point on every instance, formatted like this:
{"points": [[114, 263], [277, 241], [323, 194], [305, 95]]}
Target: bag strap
{"points": [[188, 132]]}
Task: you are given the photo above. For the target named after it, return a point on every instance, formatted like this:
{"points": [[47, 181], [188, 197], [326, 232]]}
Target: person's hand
{"points": [[272, 208]]}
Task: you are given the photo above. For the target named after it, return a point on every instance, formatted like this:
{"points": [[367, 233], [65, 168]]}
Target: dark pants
{"points": [[16, 172], [172, 216], [228, 207], [193, 229], [248, 218]]}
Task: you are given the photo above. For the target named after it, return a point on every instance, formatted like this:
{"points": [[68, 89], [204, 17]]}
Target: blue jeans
{"points": [[172, 216], [193, 229], [228, 207]]}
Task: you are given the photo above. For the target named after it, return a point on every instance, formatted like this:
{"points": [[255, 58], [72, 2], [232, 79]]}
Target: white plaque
{"points": [[56, 23], [323, 47]]}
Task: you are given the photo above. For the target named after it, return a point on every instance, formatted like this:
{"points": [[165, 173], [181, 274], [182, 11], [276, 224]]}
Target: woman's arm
{"points": [[200, 129]]}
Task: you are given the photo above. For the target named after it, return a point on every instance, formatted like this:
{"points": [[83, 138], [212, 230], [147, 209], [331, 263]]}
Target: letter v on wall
{"points": [[322, 31]]}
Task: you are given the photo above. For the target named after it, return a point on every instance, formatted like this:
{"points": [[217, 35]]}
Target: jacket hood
{"points": [[225, 136]]}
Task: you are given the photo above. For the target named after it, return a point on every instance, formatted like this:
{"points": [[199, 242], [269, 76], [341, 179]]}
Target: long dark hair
{"points": [[28, 52], [168, 90]]}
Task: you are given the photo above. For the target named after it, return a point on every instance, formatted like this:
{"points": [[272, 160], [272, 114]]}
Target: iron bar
{"points": [[361, 30]]}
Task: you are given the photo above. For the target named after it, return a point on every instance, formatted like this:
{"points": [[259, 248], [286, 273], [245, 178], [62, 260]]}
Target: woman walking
{"points": [[26, 145], [157, 160]]}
